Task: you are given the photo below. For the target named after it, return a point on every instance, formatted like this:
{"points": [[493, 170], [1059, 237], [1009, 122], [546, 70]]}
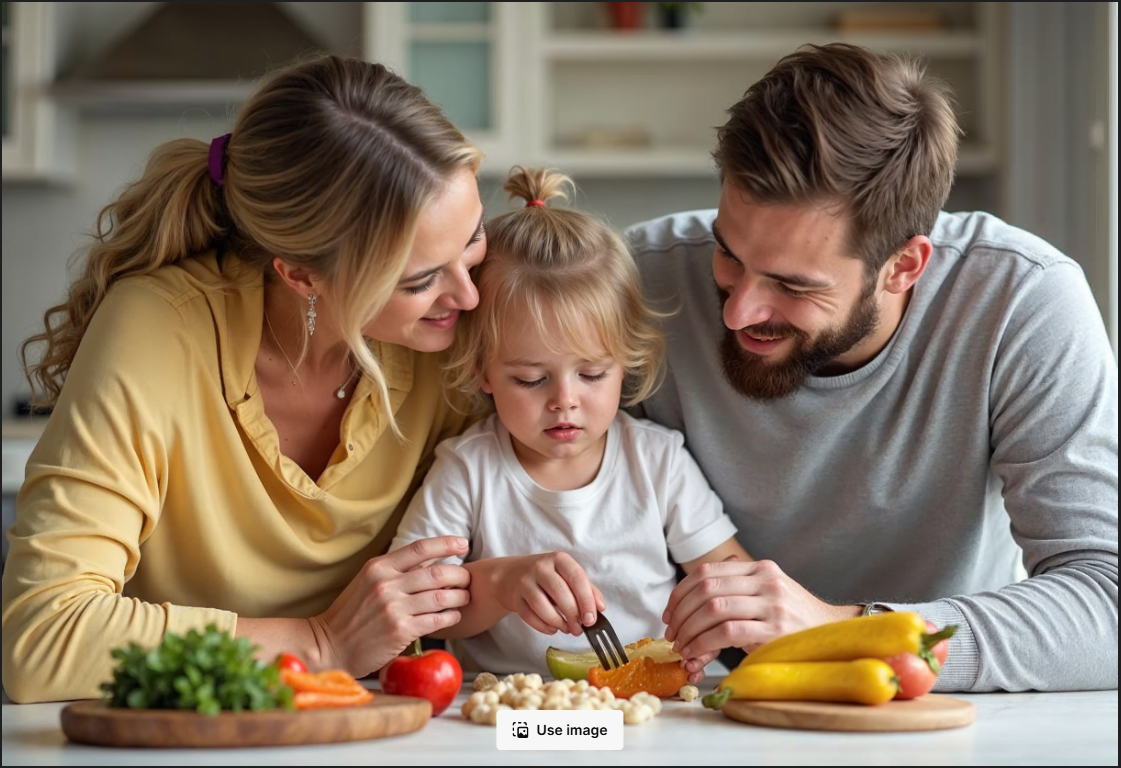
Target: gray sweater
{"points": [[984, 435]]}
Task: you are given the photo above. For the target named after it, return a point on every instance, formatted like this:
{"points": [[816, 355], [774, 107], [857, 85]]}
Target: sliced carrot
{"points": [[341, 677], [315, 700], [335, 682]]}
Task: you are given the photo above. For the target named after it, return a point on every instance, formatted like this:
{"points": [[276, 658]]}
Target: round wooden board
{"points": [[91, 722], [926, 713]]}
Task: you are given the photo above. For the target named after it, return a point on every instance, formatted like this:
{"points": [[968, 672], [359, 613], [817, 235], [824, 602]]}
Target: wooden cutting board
{"points": [[91, 722], [932, 712]]}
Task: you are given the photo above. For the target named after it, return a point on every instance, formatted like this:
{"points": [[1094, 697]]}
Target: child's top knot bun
{"points": [[536, 185]]}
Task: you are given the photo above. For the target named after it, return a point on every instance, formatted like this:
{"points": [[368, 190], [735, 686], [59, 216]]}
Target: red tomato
{"points": [[288, 661], [942, 649], [915, 675], [434, 675], [915, 672]]}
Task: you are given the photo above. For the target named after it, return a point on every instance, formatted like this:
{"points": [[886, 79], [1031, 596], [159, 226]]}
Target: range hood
{"points": [[187, 54]]}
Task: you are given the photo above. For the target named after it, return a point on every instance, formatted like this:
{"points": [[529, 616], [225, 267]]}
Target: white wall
{"points": [[1113, 175], [1058, 155]]}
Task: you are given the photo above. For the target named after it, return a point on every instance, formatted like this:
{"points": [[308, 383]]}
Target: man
{"points": [[896, 405]]}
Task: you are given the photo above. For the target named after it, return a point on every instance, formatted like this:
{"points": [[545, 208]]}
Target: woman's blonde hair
{"points": [[568, 275], [328, 166]]}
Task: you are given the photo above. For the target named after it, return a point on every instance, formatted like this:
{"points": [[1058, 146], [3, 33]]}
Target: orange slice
{"points": [[663, 679]]}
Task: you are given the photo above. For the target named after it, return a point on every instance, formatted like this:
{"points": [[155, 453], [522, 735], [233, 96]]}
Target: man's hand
{"points": [[739, 604]]}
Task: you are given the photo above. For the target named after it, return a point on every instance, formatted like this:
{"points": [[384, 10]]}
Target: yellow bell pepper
{"points": [[864, 681], [868, 637]]}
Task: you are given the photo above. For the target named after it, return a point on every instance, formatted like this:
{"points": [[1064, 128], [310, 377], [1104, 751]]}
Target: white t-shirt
{"points": [[648, 507]]}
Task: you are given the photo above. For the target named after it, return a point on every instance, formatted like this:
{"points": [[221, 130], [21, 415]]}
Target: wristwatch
{"points": [[871, 609]]}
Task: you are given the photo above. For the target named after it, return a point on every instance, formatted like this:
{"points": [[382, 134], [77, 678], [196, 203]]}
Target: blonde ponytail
{"points": [[171, 212]]}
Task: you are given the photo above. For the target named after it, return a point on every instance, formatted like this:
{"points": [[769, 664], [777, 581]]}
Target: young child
{"points": [[571, 506]]}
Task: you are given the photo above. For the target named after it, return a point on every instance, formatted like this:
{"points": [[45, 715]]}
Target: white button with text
{"points": [[559, 729]]}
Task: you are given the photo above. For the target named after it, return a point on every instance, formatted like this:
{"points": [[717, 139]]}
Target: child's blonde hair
{"points": [[562, 271]]}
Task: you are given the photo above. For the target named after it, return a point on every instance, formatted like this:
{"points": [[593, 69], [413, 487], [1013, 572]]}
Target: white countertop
{"points": [[1011, 728]]}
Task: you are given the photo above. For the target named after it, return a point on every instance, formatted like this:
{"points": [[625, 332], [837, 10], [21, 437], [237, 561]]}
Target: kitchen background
{"points": [[623, 96]]}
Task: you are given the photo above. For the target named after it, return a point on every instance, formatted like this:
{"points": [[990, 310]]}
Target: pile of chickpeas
{"points": [[530, 692]]}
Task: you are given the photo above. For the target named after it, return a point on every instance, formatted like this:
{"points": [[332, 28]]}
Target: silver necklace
{"points": [[341, 391]]}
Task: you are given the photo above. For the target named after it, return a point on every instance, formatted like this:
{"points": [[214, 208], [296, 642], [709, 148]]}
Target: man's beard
{"points": [[752, 376]]}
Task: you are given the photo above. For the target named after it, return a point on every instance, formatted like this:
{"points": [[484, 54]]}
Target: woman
{"points": [[252, 391]]}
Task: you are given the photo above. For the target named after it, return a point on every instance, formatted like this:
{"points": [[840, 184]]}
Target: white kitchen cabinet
{"points": [[553, 84], [466, 58], [36, 133], [646, 102]]}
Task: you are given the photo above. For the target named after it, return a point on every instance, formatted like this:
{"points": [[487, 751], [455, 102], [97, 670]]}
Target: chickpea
{"points": [[491, 695], [484, 681]]}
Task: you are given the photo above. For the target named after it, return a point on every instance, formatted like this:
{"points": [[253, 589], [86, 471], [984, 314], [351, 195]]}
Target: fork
{"points": [[601, 636]]}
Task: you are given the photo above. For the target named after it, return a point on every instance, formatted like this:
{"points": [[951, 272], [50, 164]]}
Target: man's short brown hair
{"points": [[840, 125]]}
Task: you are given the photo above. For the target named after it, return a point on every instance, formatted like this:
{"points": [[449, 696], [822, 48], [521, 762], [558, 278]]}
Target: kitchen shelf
{"points": [[451, 33], [770, 45], [150, 95], [671, 88], [697, 161]]}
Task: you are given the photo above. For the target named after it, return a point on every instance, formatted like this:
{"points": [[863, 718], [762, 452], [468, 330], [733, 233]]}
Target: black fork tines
{"points": [[595, 640], [605, 643]]}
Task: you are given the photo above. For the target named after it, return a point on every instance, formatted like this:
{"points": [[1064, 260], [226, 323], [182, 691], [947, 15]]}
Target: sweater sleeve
{"points": [[1053, 422]]}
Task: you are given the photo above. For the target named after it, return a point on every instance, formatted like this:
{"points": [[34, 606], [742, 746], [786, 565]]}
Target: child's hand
{"points": [[550, 592]]}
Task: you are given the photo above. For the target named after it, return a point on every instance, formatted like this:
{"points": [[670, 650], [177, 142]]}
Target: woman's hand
{"points": [[393, 600]]}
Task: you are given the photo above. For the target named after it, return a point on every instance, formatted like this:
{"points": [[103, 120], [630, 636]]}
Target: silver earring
{"points": [[311, 314]]}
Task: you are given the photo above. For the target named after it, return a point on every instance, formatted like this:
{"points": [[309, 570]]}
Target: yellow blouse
{"points": [[158, 499]]}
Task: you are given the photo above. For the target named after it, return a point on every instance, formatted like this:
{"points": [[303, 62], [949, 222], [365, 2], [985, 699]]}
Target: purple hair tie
{"points": [[217, 162]]}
